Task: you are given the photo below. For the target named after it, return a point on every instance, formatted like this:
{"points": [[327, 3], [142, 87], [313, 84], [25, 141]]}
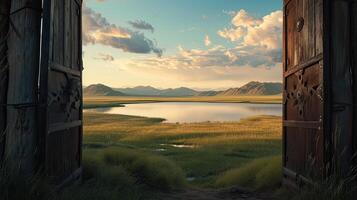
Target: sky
{"points": [[201, 44]]}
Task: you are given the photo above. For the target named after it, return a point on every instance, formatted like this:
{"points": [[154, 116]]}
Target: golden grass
{"points": [[256, 128], [259, 173], [208, 149], [92, 102]]}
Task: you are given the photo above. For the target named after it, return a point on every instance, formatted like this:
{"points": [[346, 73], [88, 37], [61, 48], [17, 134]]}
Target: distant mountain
{"points": [[140, 91], [178, 92], [208, 93], [150, 91], [100, 90], [254, 88]]}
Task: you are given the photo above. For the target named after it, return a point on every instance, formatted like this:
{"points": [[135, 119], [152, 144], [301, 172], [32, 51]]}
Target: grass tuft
{"points": [[261, 173], [155, 171]]}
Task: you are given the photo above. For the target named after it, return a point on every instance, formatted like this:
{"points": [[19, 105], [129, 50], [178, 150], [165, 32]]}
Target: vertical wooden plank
{"points": [[341, 86], [311, 27], [58, 32], [4, 28], [75, 30], [319, 26], [80, 67], [306, 35], [80, 62], [23, 55], [67, 50], [285, 68], [354, 73], [291, 39]]}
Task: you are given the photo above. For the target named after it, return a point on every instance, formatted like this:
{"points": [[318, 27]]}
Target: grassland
{"points": [[92, 102], [203, 150]]}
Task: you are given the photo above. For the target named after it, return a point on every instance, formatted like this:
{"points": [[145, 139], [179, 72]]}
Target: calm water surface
{"points": [[195, 112]]}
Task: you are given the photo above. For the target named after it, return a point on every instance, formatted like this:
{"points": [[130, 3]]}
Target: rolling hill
{"points": [[252, 88], [101, 90], [151, 91], [255, 89]]}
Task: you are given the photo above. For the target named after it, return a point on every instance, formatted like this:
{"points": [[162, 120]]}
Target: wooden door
{"points": [[4, 29], [303, 153], [354, 72], [61, 89]]}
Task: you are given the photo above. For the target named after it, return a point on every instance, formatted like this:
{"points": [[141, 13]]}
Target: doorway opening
{"points": [[200, 109]]}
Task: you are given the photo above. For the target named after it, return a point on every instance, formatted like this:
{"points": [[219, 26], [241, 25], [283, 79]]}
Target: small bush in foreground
{"points": [[259, 174], [155, 171]]}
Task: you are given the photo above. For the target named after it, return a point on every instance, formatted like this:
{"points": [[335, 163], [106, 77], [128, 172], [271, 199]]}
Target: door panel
{"points": [[61, 88], [354, 72], [4, 29], [303, 85]]}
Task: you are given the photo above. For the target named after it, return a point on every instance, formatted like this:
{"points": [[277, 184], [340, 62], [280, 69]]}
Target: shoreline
{"points": [[107, 102]]}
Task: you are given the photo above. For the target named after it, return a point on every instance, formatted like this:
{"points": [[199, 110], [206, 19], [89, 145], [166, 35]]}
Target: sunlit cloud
{"points": [[252, 52], [249, 59], [97, 30], [251, 31]]}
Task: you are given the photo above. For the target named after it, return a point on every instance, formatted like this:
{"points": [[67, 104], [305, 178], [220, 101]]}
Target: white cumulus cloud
{"points": [[251, 31]]}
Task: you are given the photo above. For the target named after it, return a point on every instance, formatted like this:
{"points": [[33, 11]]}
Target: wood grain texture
{"points": [[303, 84], [4, 28], [341, 85], [24, 47], [61, 88], [354, 73]]}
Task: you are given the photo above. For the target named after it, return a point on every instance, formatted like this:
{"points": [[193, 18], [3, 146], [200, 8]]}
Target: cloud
{"points": [[255, 55], [207, 41], [142, 25], [209, 76], [104, 57], [97, 30], [251, 31], [217, 56]]}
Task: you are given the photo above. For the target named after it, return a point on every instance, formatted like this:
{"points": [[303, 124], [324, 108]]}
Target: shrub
{"points": [[259, 174], [155, 171]]}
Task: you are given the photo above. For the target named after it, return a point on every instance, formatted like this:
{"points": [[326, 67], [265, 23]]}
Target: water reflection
{"points": [[195, 112]]}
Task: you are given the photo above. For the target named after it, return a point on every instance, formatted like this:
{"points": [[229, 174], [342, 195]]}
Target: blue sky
{"points": [[180, 30]]}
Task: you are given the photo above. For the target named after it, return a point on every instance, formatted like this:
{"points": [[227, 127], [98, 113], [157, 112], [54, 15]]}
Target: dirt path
{"points": [[234, 193]]}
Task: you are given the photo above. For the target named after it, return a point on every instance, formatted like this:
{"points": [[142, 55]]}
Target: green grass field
{"points": [[92, 102], [204, 151]]}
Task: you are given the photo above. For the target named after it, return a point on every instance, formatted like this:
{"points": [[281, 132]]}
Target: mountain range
{"points": [[251, 88], [254, 88]]}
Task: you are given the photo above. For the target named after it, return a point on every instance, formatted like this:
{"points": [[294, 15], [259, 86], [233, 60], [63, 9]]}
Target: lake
{"points": [[187, 112]]}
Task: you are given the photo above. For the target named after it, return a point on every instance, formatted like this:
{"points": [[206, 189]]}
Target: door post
{"points": [[4, 29], [23, 56]]}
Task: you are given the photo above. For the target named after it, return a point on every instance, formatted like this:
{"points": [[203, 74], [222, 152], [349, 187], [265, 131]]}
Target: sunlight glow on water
{"points": [[183, 112]]}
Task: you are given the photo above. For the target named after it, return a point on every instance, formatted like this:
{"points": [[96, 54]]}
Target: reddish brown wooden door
{"points": [[303, 90], [61, 89]]}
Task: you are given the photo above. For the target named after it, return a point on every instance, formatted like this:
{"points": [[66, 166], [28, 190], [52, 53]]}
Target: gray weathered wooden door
{"points": [[61, 89], [303, 90]]}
